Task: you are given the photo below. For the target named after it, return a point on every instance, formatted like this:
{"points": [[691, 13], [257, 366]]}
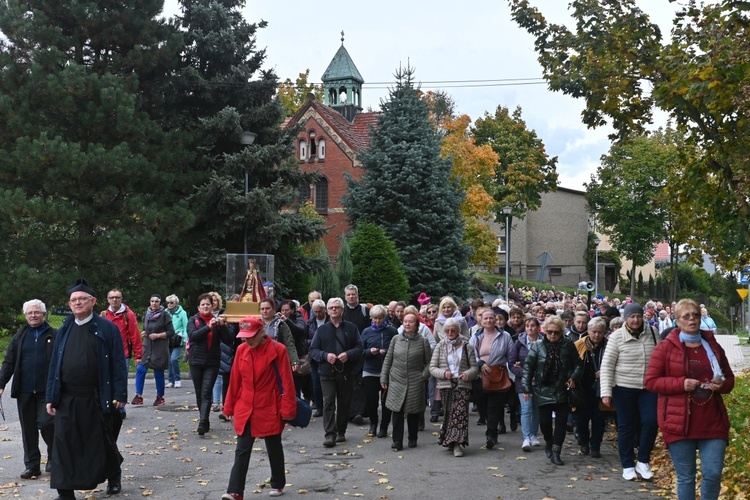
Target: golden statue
{"points": [[252, 289]]}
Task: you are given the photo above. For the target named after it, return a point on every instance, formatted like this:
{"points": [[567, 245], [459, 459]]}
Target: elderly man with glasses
{"points": [[86, 387], [337, 347], [27, 361]]}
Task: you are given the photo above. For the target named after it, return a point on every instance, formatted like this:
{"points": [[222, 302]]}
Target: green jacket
{"points": [[405, 369], [533, 370]]}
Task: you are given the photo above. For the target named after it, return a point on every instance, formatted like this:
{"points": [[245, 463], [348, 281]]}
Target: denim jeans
{"points": [[140, 379], [174, 364], [630, 404], [317, 390], [529, 417], [712, 463], [216, 392]]}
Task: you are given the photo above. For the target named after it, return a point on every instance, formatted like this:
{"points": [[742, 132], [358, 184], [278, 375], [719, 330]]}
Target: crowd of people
{"points": [[551, 362]]}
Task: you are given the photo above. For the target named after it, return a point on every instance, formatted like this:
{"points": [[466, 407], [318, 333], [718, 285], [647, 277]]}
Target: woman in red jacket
{"points": [[259, 407], [689, 371]]}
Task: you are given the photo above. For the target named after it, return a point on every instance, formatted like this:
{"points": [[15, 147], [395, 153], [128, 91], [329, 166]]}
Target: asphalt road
{"points": [[166, 459]]}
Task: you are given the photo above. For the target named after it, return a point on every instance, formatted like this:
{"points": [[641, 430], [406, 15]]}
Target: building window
{"points": [[321, 196], [303, 150], [321, 149], [313, 147], [555, 271], [305, 194]]}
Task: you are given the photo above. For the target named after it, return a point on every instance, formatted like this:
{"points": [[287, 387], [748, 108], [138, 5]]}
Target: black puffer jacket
{"points": [[200, 354]]}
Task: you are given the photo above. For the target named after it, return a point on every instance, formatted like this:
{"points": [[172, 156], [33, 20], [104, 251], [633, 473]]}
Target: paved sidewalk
{"points": [[734, 351]]}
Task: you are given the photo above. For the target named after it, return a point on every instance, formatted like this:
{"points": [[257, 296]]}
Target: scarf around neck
{"points": [[553, 363], [715, 367]]}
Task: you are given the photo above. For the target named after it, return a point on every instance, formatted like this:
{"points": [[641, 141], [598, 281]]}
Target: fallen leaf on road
{"points": [[521, 458], [499, 475], [302, 492], [147, 493], [492, 468], [383, 480], [523, 489]]}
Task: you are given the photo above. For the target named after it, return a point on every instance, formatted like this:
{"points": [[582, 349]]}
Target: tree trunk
{"points": [[632, 281]]}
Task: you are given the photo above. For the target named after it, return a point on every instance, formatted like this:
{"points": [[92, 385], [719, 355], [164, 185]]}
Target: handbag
{"points": [[304, 410], [305, 368], [497, 380]]}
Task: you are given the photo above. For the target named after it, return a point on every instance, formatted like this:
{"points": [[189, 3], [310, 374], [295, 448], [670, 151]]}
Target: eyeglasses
{"points": [[553, 332], [334, 307], [79, 299], [34, 313], [118, 297], [171, 303], [690, 315], [432, 312]]}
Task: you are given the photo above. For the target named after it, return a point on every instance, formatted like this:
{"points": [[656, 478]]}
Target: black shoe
{"points": [[548, 450], [114, 487], [65, 495], [490, 443], [31, 473], [330, 442], [513, 422], [340, 438], [585, 450], [201, 430], [596, 453], [502, 430], [412, 443], [481, 421], [569, 428], [373, 430], [358, 420], [555, 458], [383, 433], [434, 419], [318, 413], [397, 446], [48, 466]]}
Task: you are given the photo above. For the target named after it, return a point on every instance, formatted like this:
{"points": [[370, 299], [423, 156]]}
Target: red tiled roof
{"points": [[662, 251], [356, 135]]}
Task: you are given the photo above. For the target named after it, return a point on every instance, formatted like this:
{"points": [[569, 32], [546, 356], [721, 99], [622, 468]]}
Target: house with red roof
{"points": [[332, 134]]}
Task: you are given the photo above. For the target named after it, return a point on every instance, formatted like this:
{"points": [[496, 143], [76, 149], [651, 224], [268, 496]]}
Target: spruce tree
{"points": [[406, 188], [344, 266], [378, 272], [86, 167], [220, 91]]}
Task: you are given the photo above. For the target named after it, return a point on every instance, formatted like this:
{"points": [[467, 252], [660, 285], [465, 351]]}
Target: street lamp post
{"points": [[246, 139], [596, 266], [506, 212]]}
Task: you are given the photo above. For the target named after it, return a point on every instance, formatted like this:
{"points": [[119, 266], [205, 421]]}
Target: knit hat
{"points": [[632, 308], [249, 327]]}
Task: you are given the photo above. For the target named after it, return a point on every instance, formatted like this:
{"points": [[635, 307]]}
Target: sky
{"points": [[443, 41]]}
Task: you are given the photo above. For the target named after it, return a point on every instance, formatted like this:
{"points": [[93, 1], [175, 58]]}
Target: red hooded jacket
{"points": [[254, 390]]}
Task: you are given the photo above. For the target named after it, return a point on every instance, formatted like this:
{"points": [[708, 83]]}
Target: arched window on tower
{"points": [[305, 194], [302, 150]]}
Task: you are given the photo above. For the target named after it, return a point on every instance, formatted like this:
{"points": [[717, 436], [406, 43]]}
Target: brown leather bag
{"points": [[497, 380]]}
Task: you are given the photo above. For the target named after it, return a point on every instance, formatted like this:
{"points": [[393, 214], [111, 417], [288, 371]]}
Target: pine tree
{"points": [[326, 281], [406, 189], [86, 167], [219, 92], [378, 272], [344, 264]]}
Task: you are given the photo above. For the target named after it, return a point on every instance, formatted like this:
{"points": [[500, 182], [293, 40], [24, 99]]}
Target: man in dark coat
{"points": [[337, 347], [27, 361], [86, 387]]}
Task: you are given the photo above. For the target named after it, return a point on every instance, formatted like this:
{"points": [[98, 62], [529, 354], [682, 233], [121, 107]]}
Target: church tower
{"points": [[342, 84]]}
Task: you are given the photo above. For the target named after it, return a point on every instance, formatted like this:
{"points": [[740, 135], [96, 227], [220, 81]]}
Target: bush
{"points": [[378, 272]]}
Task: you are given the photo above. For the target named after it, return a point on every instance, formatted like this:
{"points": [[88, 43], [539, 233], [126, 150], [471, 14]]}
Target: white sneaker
{"points": [[178, 383], [628, 474], [644, 471], [526, 446], [170, 385], [273, 492], [534, 441]]}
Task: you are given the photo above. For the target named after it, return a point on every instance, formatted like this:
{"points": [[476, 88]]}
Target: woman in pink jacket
{"points": [[261, 368], [690, 372]]}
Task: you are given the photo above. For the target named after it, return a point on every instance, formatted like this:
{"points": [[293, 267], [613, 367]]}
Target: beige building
{"points": [[560, 228]]}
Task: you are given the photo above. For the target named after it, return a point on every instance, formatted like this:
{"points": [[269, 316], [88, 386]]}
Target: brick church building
{"points": [[332, 134]]}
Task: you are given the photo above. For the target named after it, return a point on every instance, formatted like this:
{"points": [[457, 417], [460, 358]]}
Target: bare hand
{"points": [[596, 375], [571, 383], [343, 357], [607, 401], [486, 369], [463, 377], [1, 392], [50, 410], [331, 358], [526, 396], [383, 352], [717, 384], [295, 368], [374, 351], [384, 386], [691, 384], [448, 374]]}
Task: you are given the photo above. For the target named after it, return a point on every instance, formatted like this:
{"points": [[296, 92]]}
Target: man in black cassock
{"points": [[87, 386]]}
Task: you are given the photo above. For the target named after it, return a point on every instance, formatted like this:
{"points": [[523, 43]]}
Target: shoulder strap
{"points": [[278, 377], [364, 310]]}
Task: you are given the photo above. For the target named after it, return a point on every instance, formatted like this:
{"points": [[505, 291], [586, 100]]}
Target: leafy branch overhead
{"points": [[618, 62]]}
